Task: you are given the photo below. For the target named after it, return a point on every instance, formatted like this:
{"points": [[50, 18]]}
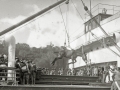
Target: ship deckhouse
{"points": [[99, 47]]}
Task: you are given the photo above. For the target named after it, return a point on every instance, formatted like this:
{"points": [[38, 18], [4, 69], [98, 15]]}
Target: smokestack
{"points": [[10, 42]]}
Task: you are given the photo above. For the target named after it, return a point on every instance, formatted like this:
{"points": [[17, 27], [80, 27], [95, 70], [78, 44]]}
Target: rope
{"points": [[77, 30], [64, 24], [77, 11], [67, 32], [80, 17]]}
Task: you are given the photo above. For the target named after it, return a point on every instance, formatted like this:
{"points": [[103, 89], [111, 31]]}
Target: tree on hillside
{"points": [[22, 50], [42, 56]]}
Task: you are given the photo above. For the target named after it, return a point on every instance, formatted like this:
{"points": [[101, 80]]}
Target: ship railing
{"points": [[4, 79], [96, 39], [100, 8]]}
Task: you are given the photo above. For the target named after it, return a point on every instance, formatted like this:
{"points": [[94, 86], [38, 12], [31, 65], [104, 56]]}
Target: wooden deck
{"points": [[54, 87], [66, 80], [57, 82]]}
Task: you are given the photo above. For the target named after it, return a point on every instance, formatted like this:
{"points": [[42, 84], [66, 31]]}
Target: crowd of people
{"points": [[101, 72], [46, 71], [28, 72], [87, 71], [94, 71], [25, 70], [112, 72]]}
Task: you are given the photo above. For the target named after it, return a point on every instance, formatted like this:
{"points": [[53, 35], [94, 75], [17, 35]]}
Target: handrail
{"points": [[111, 9], [8, 77], [109, 5], [7, 72], [88, 42], [8, 68], [14, 77]]}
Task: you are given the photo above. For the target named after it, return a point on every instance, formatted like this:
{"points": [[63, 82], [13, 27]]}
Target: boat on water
{"points": [[99, 40]]}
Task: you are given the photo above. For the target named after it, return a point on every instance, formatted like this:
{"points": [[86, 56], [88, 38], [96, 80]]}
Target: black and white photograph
{"points": [[59, 44]]}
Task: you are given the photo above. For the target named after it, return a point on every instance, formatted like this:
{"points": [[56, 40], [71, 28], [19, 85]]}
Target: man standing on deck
{"points": [[106, 72], [19, 71], [116, 82], [33, 72]]}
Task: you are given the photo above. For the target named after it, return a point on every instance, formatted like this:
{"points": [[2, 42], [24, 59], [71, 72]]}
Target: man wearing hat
{"points": [[18, 66], [32, 72]]}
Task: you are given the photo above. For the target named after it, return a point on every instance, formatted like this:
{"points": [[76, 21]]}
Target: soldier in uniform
{"points": [[2, 64], [26, 72], [69, 73], [33, 73], [116, 82], [18, 66], [47, 71], [96, 71], [106, 72], [73, 72], [59, 71]]}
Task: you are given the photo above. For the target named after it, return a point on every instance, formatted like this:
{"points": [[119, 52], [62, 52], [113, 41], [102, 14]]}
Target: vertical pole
{"points": [[90, 6], [10, 41], [89, 32]]}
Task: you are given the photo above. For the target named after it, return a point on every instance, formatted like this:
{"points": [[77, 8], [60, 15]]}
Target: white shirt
{"points": [[117, 74]]}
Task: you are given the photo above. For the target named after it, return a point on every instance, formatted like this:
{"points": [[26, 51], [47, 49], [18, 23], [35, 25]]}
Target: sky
{"points": [[49, 27]]}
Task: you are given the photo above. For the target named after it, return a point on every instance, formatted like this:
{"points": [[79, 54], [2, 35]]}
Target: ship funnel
{"points": [[10, 43], [116, 37]]}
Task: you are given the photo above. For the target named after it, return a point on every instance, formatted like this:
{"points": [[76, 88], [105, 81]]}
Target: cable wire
{"points": [[67, 26], [77, 11], [64, 24]]}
